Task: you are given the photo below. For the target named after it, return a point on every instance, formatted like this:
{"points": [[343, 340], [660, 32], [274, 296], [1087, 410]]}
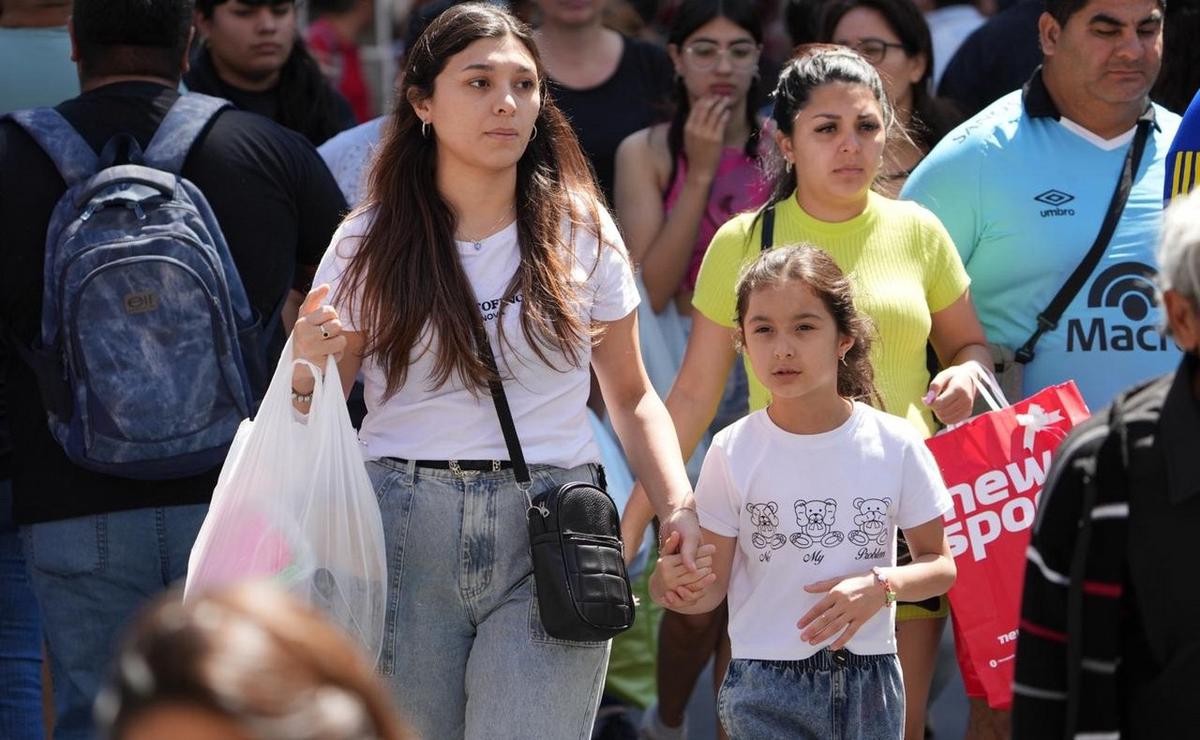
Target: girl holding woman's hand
{"points": [[832, 118], [800, 504]]}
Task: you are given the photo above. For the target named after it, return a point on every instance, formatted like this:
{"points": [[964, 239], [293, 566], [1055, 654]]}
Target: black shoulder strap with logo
{"points": [[1049, 318], [768, 228]]}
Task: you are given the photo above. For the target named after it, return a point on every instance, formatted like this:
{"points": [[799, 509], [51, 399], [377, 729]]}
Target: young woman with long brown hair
{"points": [[482, 207]]}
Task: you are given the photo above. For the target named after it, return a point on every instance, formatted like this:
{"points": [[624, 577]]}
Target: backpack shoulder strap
{"points": [[187, 119], [72, 155]]}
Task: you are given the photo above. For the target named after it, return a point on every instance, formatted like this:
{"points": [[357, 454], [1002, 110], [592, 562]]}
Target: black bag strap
{"points": [[1049, 318], [500, 400], [768, 228]]}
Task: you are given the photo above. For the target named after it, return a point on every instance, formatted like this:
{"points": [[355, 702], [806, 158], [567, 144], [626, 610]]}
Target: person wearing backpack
{"points": [[1108, 644], [149, 243]]}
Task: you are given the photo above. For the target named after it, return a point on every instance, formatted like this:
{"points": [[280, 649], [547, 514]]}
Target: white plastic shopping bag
{"points": [[294, 505]]}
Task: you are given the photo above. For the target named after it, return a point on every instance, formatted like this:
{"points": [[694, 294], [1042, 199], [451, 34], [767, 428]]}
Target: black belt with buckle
{"points": [[478, 466]]}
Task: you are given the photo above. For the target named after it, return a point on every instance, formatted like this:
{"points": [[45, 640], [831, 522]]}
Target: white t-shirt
{"points": [[348, 156], [549, 405], [809, 507]]}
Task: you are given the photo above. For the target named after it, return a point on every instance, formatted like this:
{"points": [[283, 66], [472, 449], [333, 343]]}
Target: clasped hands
{"points": [[848, 602]]}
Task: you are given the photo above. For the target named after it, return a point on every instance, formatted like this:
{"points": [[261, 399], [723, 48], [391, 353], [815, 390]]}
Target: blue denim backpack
{"points": [[150, 354]]}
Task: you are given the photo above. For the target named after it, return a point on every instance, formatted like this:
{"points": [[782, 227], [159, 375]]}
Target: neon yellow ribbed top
{"points": [[902, 263]]}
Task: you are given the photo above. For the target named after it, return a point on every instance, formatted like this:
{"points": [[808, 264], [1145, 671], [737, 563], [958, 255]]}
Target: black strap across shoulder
{"points": [[1049, 318], [768, 228], [507, 425]]}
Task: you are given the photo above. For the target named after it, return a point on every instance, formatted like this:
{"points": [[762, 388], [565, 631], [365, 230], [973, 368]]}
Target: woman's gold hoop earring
{"points": [[425, 129], [843, 358], [531, 138]]}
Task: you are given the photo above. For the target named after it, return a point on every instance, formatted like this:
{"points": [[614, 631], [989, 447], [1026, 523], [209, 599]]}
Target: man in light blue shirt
{"points": [[35, 55], [1024, 186]]}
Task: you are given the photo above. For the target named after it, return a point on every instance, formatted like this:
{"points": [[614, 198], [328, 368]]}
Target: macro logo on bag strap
{"points": [[149, 354]]}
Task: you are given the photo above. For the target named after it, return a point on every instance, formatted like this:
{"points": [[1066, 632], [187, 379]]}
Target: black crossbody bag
{"points": [[583, 590]]}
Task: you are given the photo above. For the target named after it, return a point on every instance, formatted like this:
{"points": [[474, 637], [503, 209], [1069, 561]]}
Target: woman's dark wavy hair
{"points": [[812, 267], [689, 18], [307, 102], [406, 274], [813, 66], [933, 117]]}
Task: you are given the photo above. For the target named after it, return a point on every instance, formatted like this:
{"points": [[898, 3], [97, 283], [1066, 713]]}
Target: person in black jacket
{"points": [[98, 546], [1108, 641], [251, 54]]}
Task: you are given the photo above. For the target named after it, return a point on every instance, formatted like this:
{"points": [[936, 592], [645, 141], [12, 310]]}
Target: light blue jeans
{"points": [[829, 696], [91, 575], [464, 650]]}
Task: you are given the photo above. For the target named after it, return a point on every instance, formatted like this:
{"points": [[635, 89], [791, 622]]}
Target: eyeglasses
{"points": [[705, 55], [874, 50]]}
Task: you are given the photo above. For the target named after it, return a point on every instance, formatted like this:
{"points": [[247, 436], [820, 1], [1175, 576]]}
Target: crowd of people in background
{"points": [[761, 249]]}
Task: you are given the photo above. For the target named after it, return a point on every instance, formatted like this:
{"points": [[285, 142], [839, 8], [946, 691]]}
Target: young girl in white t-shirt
{"points": [[799, 505]]}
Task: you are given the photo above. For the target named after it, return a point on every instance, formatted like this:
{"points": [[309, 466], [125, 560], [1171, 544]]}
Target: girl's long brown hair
{"points": [[812, 267], [406, 278]]}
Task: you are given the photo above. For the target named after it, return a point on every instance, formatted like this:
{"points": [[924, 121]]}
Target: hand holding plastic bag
{"points": [[294, 505]]}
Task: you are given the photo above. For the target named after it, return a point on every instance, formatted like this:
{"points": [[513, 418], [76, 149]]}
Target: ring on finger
{"points": [[324, 331]]}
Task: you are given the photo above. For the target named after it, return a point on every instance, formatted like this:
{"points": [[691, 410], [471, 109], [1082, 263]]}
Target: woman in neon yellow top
{"points": [[832, 117], [905, 272]]}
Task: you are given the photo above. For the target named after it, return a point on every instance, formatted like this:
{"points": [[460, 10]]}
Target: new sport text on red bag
{"points": [[1019, 482]]}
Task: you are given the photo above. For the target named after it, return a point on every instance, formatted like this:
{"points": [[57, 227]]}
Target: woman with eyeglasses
{"points": [[676, 184], [893, 36]]}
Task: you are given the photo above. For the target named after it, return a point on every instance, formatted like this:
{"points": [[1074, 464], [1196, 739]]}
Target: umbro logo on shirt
{"points": [[1055, 199]]}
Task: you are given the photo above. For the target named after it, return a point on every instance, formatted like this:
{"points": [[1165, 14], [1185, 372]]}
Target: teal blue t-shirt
{"points": [[1023, 193], [35, 68]]}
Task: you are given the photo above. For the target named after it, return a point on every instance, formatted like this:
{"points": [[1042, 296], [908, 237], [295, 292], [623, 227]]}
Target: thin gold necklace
{"points": [[478, 243]]}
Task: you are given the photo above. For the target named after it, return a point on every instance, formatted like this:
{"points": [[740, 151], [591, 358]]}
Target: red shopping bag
{"points": [[995, 466]]}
